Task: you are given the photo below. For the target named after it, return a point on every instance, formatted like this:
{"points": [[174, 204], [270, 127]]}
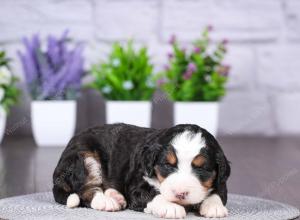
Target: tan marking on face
{"points": [[171, 158], [158, 175], [198, 161], [208, 183]]}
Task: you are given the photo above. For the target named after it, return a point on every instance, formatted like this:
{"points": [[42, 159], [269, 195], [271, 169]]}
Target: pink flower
{"points": [[161, 81], [172, 39], [197, 50], [224, 70], [187, 75], [191, 67], [225, 41], [210, 27], [166, 67], [170, 55]]}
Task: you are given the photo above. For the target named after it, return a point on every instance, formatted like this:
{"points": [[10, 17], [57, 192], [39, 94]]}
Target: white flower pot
{"points": [[204, 114], [130, 112], [2, 122], [53, 122]]}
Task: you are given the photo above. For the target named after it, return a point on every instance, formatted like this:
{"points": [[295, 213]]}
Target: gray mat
{"points": [[42, 206]]}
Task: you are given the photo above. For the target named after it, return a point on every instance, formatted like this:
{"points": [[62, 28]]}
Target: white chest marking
{"points": [[94, 169]]}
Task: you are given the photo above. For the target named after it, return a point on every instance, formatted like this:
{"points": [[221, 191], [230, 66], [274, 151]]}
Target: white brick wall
{"points": [[237, 20], [22, 17], [292, 19], [122, 20], [246, 113], [279, 67], [264, 50], [286, 109], [242, 61]]}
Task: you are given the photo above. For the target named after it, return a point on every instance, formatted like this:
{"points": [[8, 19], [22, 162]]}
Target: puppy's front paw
{"points": [[105, 203], [117, 196], [164, 209], [212, 207]]}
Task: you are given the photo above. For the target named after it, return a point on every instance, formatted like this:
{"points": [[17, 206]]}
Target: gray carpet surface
{"points": [[42, 206]]}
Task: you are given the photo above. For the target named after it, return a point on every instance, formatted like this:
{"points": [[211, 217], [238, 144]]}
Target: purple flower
{"points": [[172, 39], [29, 58], [197, 50], [54, 73], [187, 75], [166, 67], [224, 70], [170, 55], [210, 27], [161, 81], [225, 41], [191, 67]]}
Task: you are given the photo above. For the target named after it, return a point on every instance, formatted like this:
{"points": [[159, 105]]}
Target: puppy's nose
{"points": [[181, 195]]}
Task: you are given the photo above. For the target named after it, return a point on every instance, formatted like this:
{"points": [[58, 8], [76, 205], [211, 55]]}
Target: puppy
{"points": [[164, 172]]}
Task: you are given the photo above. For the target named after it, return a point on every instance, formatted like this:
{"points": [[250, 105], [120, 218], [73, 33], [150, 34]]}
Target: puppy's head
{"points": [[186, 164]]}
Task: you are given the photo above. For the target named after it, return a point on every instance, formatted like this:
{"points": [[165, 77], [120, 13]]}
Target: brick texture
{"points": [[278, 67], [236, 20], [292, 16], [19, 18], [119, 20], [247, 113], [286, 108]]}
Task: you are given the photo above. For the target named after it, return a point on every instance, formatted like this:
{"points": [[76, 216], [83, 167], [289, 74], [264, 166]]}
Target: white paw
{"points": [[212, 207], [164, 209], [105, 203], [73, 200], [117, 196]]}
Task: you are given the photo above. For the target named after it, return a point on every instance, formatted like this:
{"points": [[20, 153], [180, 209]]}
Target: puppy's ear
{"points": [[149, 157], [222, 166], [223, 172]]}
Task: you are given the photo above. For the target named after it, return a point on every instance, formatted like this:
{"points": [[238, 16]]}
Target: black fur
{"points": [[127, 153]]}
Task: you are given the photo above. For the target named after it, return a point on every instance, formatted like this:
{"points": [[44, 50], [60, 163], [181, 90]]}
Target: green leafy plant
{"points": [[196, 75], [9, 93], [127, 75]]}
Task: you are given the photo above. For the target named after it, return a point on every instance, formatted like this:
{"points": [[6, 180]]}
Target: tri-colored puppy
{"points": [[165, 172]]}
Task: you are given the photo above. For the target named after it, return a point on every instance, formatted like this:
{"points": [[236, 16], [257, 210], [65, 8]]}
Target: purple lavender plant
{"points": [[53, 74]]}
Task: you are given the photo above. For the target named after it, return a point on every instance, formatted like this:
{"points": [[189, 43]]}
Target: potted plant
{"points": [[53, 77], [8, 91], [195, 80], [126, 82]]}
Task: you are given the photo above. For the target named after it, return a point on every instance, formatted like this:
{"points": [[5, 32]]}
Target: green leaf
{"points": [[125, 65]]}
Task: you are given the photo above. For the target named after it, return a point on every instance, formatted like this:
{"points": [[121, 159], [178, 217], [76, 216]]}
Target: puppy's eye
{"points": [[198, 161], [170, 164], [171, 159]]}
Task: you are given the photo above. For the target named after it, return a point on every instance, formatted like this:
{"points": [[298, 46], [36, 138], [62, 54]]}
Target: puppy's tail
{"points": [[65, 198], [73, 200]]}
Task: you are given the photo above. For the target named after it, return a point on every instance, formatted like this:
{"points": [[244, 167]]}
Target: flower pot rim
{"points": [[197, 102], [129, 101], [53, 101]]}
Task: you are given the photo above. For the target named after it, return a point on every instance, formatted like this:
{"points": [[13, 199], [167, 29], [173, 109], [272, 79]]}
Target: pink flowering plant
{"points": [[195, 75]]}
